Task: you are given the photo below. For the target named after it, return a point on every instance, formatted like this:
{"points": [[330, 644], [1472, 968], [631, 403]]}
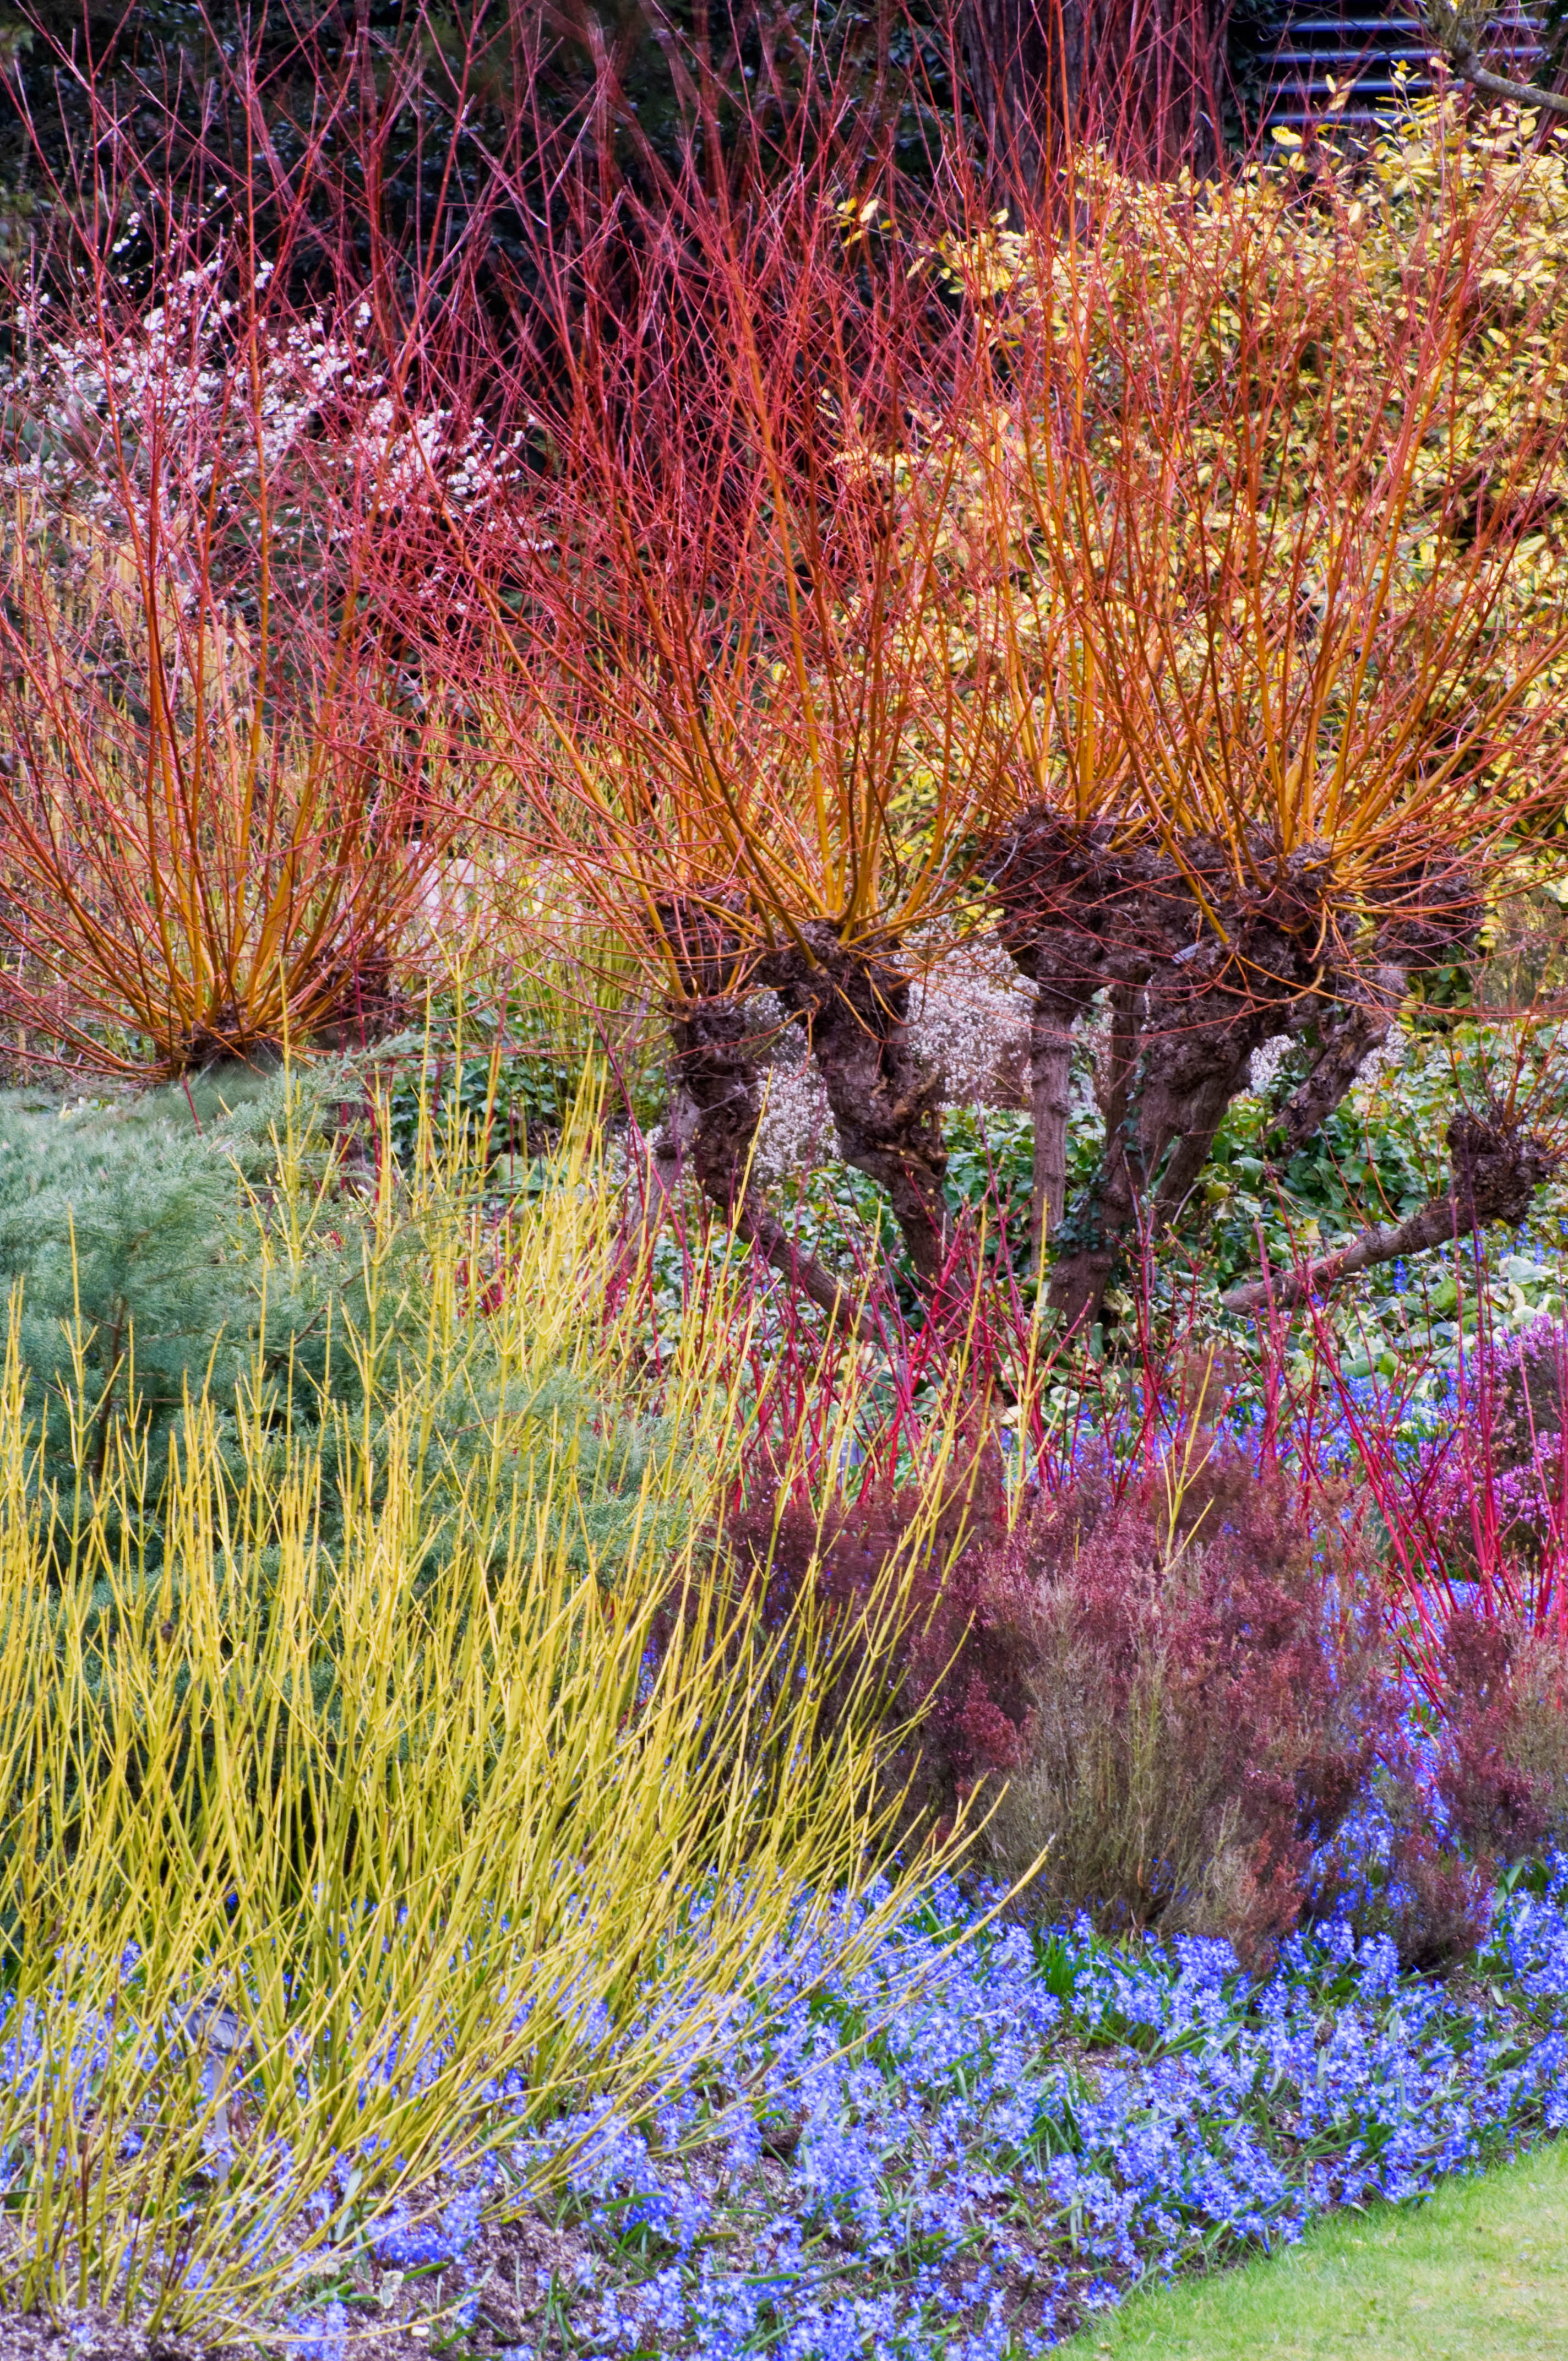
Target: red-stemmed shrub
{"points": [[1477, 1513]]}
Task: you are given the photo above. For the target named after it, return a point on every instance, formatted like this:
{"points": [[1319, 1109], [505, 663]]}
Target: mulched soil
{"points": [[510, 2267]]}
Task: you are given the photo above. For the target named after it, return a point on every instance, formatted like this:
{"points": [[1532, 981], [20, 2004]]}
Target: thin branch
{"points": [[1496, 1172], [1523, 94]]}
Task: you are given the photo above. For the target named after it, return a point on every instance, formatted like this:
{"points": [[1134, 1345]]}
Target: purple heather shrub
{"points": [[1394, 1876], [1181, 1705], [1496, 1807]]}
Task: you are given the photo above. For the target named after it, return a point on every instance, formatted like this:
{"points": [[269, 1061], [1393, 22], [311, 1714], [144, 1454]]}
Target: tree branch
{"points": [[1523, 94], [1497, 1170], [1432, 1225]]}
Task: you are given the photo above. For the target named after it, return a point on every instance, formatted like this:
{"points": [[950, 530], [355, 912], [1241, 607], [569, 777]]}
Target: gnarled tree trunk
{"points": [[717, 1097], [854, 1001], [1203, 965], [1428, 921], [1051, 1024]]}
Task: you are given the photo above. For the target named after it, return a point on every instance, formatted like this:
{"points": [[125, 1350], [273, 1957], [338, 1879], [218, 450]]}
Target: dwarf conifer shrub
{"points": [[120, 1233], [157, 1254], [168, 1250]]}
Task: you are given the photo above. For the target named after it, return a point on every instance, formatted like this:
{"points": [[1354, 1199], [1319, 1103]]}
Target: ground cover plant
{"points": [[627, 1729], [1051, 2118]]}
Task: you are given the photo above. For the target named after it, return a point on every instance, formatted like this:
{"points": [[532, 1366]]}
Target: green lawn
{"points": [[1478, 2274]]}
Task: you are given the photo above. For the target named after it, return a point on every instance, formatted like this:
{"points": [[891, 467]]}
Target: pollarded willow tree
{"points": [[1174, 589], [725, 656], [1281, 613]]}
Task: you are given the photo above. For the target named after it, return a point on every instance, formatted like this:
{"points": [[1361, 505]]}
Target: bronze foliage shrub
{"points": [[1503, 1747], [1206, 1690], [1177, 1701], [1185, 1693]]}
